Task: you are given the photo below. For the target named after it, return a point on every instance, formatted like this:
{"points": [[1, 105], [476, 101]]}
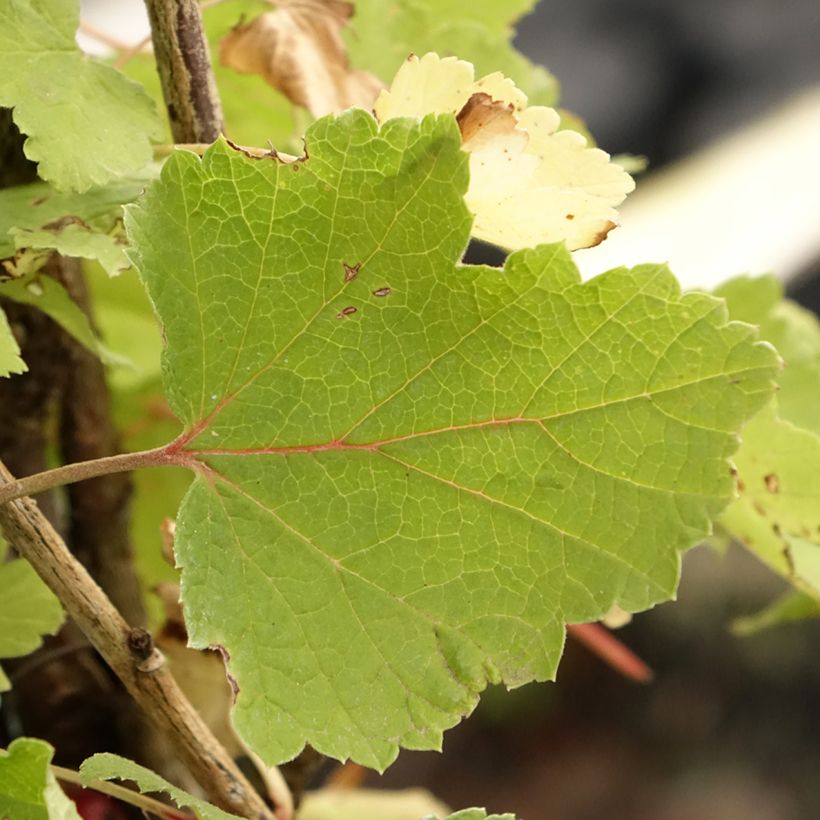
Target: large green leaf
{"points": [[777, 513], [107, 766], [411, 473], [10, 361], [28, 610], [382, 33], [28, 789], [86, 123], [88, 225]]}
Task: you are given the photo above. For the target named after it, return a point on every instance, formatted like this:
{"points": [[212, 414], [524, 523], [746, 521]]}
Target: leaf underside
{"points": [[412, 473]]}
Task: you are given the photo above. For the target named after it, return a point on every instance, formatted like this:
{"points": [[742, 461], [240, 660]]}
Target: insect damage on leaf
{"points": [[529, 181], [396, 505], [299, 50]]}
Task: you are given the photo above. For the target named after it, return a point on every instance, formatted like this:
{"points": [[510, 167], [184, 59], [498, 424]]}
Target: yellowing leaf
{"points": [[530, 182], [298, 49]]}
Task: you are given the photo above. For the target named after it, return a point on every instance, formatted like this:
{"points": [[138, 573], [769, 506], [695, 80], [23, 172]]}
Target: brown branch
{"points": [[184, 66], [131, 655]]}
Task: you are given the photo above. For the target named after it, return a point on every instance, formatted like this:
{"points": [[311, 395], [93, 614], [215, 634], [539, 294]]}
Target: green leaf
{"points": [[794, 331], [87, 225], [10, 361], [51, 297], [86, 123], [412, 473], [28, 610], [107, 766], [777, 515], [28, 789], [382, 33], [793, 606]]}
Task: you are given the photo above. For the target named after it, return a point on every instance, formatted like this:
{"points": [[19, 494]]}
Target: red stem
{"points": [[611, 651]]}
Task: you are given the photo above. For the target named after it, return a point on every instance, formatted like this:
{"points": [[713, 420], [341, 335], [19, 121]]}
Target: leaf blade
{"points": [[416, 494]]}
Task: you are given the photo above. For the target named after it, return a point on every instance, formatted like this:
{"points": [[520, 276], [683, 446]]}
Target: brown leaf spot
{"points": [[382, 292], [741, 485], [226, 657], [602, 234], [57, 225], [348, 311], [299, 50], [772, 483], [351, 271], [482, 119], [570, 217], [787, 556]]}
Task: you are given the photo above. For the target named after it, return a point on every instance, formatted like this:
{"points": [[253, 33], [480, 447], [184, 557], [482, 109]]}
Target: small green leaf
{"points": [[475, 814], [86, 122], [794, 331], [51, 297], [28, 610], [412, 473], [88, 225], [28, 789], [10, 361], [107, 766]]}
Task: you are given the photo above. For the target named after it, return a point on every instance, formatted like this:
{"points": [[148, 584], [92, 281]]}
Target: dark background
{"points": [[730, 727]]}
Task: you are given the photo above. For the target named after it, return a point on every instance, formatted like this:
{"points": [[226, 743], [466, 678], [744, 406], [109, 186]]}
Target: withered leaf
{"points": [[298, 49]]}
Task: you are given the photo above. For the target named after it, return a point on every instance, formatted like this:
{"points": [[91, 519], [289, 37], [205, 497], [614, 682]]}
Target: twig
{"points": [[141, 801], [131, 655], [184, 66], [102, 36], [80, 471], [610, 650], [129, 53]]}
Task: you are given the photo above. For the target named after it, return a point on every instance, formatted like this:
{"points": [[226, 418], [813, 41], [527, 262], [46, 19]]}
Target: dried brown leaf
{"points": [[299, 50]]}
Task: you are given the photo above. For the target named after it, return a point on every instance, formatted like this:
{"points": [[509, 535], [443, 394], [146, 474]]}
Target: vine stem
{"points": [[79, 471], [130, 653]]}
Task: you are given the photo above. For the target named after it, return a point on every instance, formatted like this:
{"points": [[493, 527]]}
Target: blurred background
{"points": [[723, 98]]}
